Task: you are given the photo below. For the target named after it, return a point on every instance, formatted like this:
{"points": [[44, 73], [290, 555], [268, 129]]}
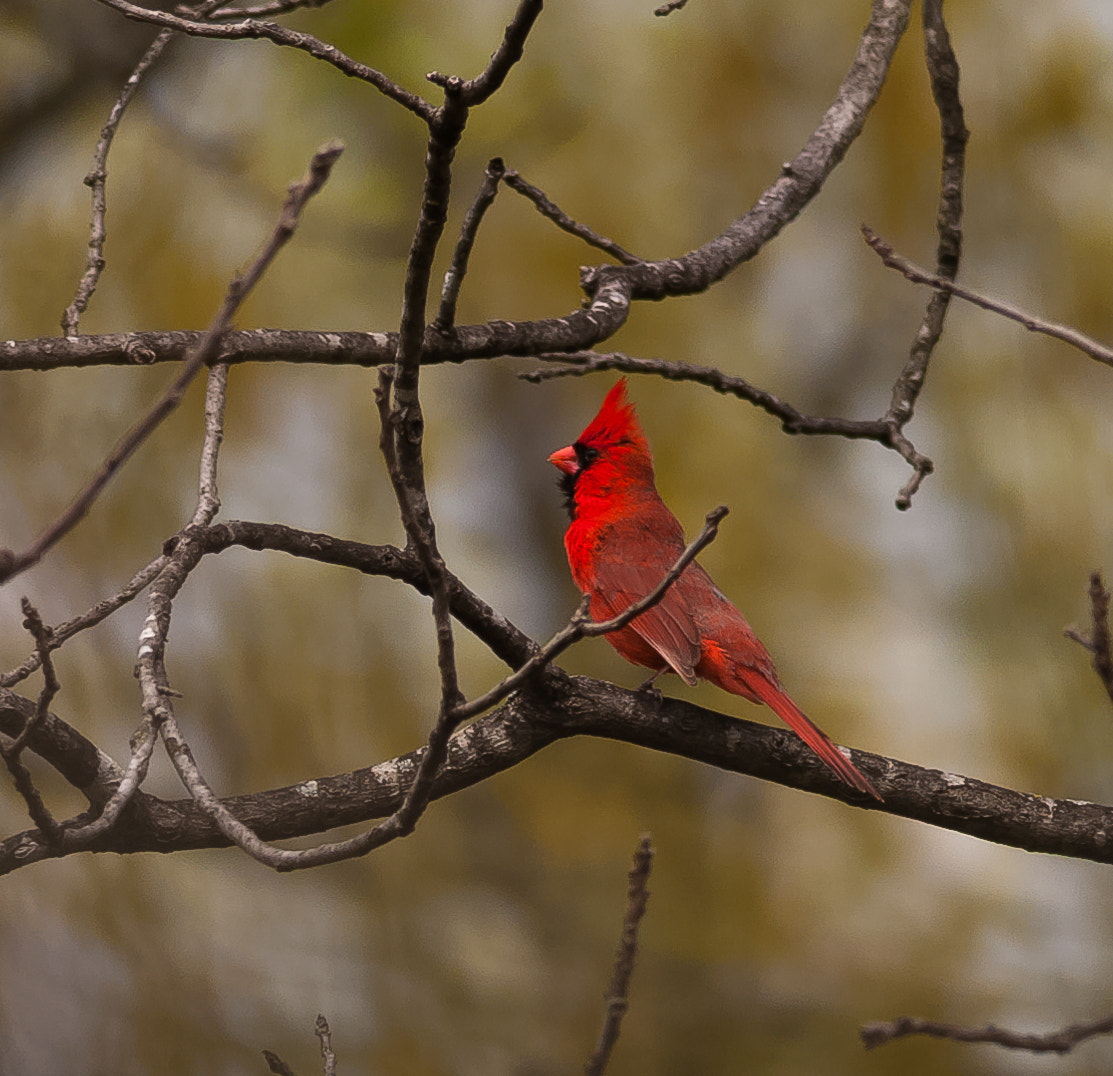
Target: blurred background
{"points": [[778, 922]]}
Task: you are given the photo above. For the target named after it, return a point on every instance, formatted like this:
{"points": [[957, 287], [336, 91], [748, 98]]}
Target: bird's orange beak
{"points": [[564, 459]]}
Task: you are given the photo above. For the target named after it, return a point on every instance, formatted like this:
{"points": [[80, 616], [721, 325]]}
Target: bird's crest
{"points": [[616, 423]]}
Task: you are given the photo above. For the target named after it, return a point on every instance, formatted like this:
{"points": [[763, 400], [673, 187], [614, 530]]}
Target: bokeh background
{"points": [[779, 922]]}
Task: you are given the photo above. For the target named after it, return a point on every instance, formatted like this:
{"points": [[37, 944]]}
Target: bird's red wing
{"points": [[668, 626]]}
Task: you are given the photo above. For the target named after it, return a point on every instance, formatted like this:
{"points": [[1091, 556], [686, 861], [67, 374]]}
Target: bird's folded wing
{"points": [[668, 626]]}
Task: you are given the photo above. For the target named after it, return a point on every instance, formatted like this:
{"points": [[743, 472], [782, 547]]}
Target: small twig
{"points": [[97, 179], [561, 219], [454, 277], [142, 746], [582, 626], [208, 498], [44, 643], [36, 807], [205, 352], [669, 8], [1100, 642], [618, 992], [477, 90], [88, 619], [792, 420], [943, 70], [1056, 1042], [324, 1035], [277, 1065], [918, 275]]}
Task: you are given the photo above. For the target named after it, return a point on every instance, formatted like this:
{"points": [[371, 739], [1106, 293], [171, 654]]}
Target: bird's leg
{"points": [[647, 688]]}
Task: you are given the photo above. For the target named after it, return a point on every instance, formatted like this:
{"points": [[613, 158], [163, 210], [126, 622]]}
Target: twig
{"points": [[324, 1035], [669, 8], [208, 497], [885, 431], [943, 71], [918, 275], [103, 609], [1056, 1042], [277, 1065], [142, 746], [561, 219], [618, 992], [206, 351], [477, 90], [97, 179], [581, 625], [1099, 643], [36, 807], [454, 277], [400, 404], [792, 420]]}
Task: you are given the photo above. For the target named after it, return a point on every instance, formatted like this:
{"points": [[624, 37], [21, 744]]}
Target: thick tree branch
{"points": [[576, 706]]}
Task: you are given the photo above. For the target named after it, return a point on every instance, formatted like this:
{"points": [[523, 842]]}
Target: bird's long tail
{"points": [[812, 735]]}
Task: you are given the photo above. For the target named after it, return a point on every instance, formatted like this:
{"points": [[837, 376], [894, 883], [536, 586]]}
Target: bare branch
{"points": [[561, 219], [24, 783], [206, 352], [99, 612], [228, 9], [799, 182], [1086, 344], [208, 498], [528, 721], [1056, 1042], [277, 1065], [324, 1035], [1100, 642], [278, 35], [637, 898], [97, 181], [479, 89], [454, 277], [943, 71]]}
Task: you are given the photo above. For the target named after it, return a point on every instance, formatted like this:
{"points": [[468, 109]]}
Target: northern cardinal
{"points": [[622, 541]]}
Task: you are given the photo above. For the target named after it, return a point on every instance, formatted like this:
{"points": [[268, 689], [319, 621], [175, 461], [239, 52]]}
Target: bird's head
{"points": [[609, 460]]}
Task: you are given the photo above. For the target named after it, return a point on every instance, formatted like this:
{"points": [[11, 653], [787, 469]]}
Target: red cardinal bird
{"points": [[622, 541]]}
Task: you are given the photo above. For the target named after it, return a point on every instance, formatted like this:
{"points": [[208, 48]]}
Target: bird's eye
{"points": [[585, 454]]}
